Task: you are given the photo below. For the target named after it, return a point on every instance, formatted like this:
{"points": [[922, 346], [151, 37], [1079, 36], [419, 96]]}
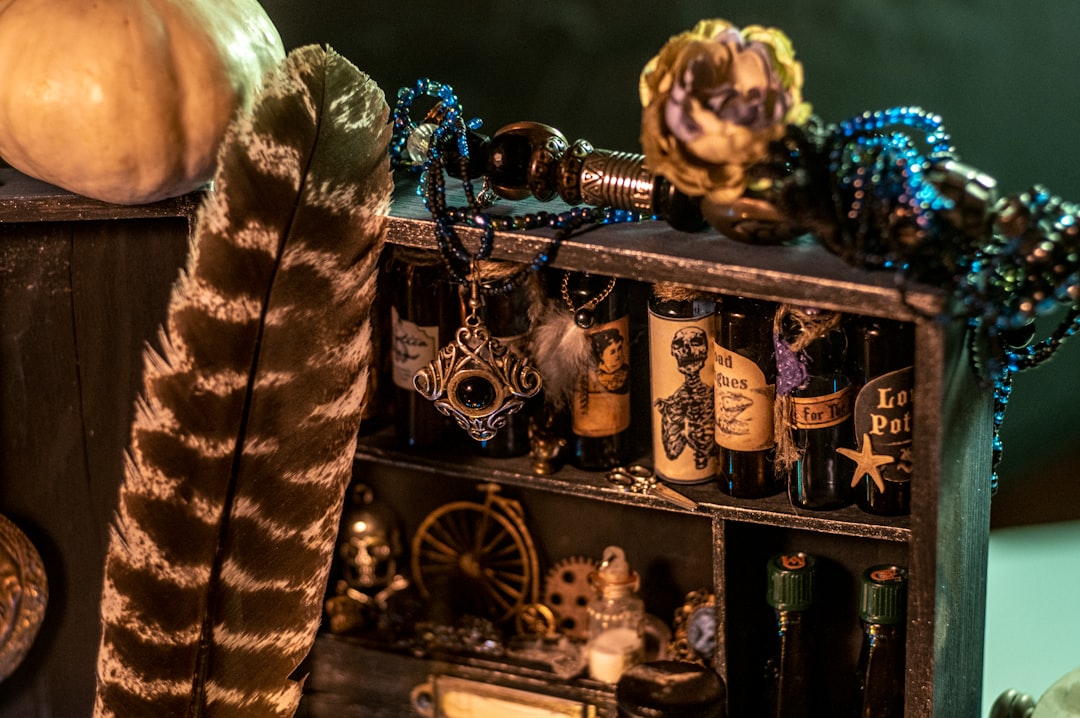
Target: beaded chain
{"points": [[881, 190], [881, 209], [1029, 265], [1018, 360], [449, 123]]}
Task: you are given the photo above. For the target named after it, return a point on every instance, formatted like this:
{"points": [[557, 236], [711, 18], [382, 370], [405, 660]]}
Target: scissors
{"points": [[640, 479]]}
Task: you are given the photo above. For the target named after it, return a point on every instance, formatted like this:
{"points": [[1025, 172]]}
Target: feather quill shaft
{"points": [[243, 437]]}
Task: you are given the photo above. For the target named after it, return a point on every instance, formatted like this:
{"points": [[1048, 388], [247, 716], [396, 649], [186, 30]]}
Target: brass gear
{"points": [[567, 592]]}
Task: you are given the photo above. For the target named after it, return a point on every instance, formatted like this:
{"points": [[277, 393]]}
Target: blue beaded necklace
{"points": [[1018, 260], [446, 123]]}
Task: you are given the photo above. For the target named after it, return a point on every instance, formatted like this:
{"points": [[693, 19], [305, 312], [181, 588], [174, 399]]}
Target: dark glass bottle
{"points": [[681, 381], [882, 611], [882, 358], [506, 316], [600, 405], [670, 689], [745, 392], [424, 314], [821, 420], [790, 680]]}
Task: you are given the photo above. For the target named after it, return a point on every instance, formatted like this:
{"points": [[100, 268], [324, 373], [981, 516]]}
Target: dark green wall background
{"points": [[1002, 74]]}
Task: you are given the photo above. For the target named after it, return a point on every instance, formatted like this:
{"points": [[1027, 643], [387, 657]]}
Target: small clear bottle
{"points": [[882, 611], [616, 640]]}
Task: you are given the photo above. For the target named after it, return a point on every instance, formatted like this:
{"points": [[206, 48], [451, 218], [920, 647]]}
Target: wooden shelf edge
{"points": [[772, 511]]}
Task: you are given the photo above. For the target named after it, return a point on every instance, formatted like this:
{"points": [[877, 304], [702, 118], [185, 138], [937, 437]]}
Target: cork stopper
{"points": [[613, 577]]}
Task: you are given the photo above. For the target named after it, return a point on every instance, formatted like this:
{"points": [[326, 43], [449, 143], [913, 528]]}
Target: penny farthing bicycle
{"points": [[479, 557]]}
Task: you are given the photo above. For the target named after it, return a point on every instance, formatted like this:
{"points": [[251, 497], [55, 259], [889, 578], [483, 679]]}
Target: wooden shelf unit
{"points": [[943, 541]]}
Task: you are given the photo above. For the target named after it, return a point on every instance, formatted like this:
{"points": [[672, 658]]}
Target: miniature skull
{"points": [[690, 347], [370, 546]]}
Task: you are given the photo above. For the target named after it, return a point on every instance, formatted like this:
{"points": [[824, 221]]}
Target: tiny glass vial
{"points": [[616, 640], [882, 611], [681, 381], [600, 410], [424, 313], [821, 408], [745, 375], [882, 359], [506, 315]]}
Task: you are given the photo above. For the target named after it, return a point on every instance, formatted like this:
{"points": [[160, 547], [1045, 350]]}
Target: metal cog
{"points": [[567, 592]]}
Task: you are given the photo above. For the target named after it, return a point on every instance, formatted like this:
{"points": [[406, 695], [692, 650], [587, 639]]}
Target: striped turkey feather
{"points": [[243, 436]]}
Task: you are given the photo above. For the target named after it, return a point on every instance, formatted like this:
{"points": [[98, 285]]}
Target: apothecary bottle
{"points": [[425, 311], [506, 316], [616, 640], [600, 404], [882, 359], [790, 681], [882, 612], [745, 392], [820, 410], [681, 381]]}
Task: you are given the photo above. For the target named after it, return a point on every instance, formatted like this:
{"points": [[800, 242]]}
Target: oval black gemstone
{"points": [[476, 392], [584, 318]]}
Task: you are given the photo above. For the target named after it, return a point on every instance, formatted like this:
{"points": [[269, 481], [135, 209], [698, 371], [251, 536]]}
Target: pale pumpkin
{"points": [[127, 101]]}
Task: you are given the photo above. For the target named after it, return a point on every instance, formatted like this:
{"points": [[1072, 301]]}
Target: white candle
{"points": [[612, 652]]}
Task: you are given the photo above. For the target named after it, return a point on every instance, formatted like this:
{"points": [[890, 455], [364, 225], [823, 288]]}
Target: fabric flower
{"points": [[713, 99]]}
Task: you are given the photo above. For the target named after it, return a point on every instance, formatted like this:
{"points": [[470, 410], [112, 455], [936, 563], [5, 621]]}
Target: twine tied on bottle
{"points": [[794, 329]]}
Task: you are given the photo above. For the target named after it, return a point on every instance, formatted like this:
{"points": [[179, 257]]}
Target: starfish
{"points": [[867, 462]]}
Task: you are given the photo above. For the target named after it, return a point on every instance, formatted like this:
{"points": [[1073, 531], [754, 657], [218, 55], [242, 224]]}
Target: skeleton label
{"points": [[682, 398], [414, 347], [883, 412], [602, 400], [744, 403]]}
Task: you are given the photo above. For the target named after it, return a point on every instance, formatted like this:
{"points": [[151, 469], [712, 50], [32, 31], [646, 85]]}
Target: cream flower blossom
{"points": [[712, 101]]}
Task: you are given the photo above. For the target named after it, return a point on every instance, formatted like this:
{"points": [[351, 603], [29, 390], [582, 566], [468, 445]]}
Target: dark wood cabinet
{"points": [[727, 541], [83, 287]]}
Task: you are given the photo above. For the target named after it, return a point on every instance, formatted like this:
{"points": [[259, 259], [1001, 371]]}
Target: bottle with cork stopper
{"points": [[616, 641]]}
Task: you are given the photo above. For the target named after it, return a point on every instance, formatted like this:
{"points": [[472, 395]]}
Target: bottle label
{"points": [[883, 412], [414, 347], [682, 397], [602, 399], [744, 403], [821, 412]]}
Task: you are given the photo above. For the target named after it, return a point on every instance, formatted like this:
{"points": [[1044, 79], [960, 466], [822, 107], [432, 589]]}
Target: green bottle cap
{"points": [[791, 581], [883, 596]]}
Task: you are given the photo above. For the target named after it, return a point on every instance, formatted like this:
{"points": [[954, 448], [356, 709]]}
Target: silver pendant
{"points": [[477, 381]]}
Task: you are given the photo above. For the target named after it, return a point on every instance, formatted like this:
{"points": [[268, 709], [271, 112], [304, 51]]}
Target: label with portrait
{"points": [[601, 403]]}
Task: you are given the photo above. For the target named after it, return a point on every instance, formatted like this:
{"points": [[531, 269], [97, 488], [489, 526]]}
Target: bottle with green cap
{"points": [[882, 610], [790, 682]]}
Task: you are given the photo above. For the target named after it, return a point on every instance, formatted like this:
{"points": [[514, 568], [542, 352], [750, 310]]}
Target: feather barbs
{"points": [[242, 442]]}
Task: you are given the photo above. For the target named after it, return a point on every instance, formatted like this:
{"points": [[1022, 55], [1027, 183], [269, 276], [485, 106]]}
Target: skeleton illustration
{"points": [[685, 416]]}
